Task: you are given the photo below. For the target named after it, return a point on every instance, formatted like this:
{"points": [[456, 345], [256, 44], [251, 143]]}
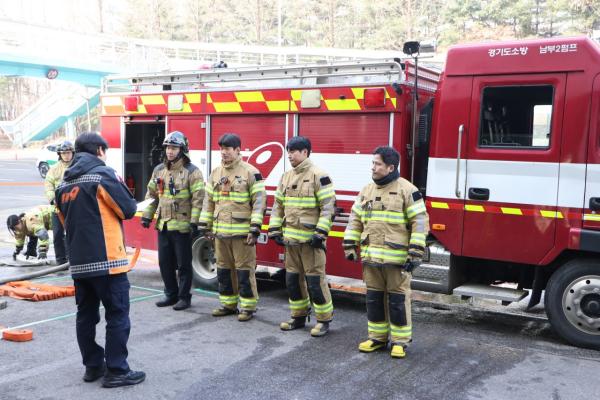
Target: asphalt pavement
{"points": [[459, 351]]}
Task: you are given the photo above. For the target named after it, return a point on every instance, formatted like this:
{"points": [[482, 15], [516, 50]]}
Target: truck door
{"points": [[513, 167], [591, 207]]}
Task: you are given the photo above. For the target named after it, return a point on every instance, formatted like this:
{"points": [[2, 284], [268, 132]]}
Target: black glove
{"points": [[351, 254], [278, 239], [146, 222], [317, 241], [255, 231], [42, 255], [17, 251], [411, 265], [195, 231]]}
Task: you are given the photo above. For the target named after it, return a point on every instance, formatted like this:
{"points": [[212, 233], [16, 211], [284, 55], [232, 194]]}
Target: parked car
{"points": [[46, 158]]}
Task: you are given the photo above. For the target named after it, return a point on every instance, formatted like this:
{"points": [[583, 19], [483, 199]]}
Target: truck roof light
{"points": [[175, 102], [374, 97], [310, 98], [131, 103]]}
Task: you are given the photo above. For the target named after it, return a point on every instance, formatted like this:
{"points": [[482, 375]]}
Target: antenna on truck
{"points": [[411, 49]]}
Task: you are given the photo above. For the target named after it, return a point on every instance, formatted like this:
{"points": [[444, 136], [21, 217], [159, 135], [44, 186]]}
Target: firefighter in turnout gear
{"points": [[390, 223], [302, 216], [177, 192], [33, 225], [54, 177], [232, 214]]}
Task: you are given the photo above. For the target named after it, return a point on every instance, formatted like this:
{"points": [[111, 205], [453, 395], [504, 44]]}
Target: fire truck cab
{"points": [[504, 144], [512, 181]]}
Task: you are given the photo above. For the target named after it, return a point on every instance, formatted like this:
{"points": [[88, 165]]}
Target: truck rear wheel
{"points": [[43, 168], [204, 264], [572, 302]]}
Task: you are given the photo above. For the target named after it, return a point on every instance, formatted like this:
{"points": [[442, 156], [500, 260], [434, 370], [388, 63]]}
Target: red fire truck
{"points": [[505, 144]]}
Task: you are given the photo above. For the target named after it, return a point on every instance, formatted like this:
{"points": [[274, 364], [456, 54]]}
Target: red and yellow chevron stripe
{"points": [[345, 99]]}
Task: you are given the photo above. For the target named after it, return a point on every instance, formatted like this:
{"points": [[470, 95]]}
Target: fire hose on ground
{"points": [[33, 274]]}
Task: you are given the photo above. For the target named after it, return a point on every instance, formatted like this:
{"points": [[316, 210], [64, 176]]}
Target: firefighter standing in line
{"points": [[54, 177], [390, 222], [233, 213], [33, 225], [305, 200], [177, 191]]}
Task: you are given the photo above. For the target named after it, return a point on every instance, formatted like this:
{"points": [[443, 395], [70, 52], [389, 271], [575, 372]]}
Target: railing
{"points": [[60, 102], [138, 55]]}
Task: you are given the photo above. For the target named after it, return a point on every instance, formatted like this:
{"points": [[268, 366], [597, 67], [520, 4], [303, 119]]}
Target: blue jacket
{"points": [[92, 202]]}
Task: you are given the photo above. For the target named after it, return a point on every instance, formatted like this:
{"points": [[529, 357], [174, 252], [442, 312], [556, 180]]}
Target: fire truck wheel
{"points": [[43, 169], [572, 302], [204, 264]]}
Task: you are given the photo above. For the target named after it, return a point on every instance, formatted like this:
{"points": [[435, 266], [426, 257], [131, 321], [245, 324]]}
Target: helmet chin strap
{"points": [[177, 158]]}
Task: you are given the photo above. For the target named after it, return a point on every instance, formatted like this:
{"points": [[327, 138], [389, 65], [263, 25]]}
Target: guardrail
{"points": [[139, 55]]}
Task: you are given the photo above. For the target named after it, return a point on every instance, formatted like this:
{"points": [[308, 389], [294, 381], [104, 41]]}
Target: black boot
{"points": [[165, 302], [130, 378], [182, 305], [93, 373], [293, 323]]}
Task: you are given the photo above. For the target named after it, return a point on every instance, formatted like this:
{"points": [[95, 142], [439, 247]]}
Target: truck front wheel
{"points": [[204, 264], [43, 168], [572, 302]]}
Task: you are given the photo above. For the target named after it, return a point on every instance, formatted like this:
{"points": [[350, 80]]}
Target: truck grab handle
{"points": [[457, 192]]}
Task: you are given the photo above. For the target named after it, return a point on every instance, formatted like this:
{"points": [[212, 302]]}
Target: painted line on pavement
{"points": [[207, 292], [64, 316], [148, 289], [21, 183]]}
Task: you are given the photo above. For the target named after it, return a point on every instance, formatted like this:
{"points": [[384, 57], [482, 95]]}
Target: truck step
{"points": [[431, 278], [506, 295], [433, 274]]}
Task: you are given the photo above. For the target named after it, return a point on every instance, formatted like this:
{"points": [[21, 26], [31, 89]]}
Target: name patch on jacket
{"points": [[325, 181]]}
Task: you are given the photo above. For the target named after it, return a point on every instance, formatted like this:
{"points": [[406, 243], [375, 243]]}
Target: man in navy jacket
{"points": [[92, 201]]}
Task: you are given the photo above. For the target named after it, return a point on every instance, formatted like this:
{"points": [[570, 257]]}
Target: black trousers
{"points": [[58, 236], [175, 255], [113, 292]]}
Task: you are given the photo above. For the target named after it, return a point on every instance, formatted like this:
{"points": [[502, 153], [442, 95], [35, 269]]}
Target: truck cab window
{"points": [[516, 117]]}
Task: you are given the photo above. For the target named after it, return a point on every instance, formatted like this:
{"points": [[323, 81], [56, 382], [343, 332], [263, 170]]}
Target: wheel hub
{"points": [[203, 260], [590, 305], [581, 304]]}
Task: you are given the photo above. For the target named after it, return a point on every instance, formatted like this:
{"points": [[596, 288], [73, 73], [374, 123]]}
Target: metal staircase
{"points": [[50, 113]]}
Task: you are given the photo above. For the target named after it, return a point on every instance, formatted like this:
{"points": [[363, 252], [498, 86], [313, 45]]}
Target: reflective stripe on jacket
{"points": [[54, 177], [36, 222], [389, 222], [304, 204], [235, 200], [177, 193], [91, 203]]}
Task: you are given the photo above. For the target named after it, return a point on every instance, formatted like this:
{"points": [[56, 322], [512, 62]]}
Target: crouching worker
{"points": [[91, 203], [33, 225], [389, 222]]}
